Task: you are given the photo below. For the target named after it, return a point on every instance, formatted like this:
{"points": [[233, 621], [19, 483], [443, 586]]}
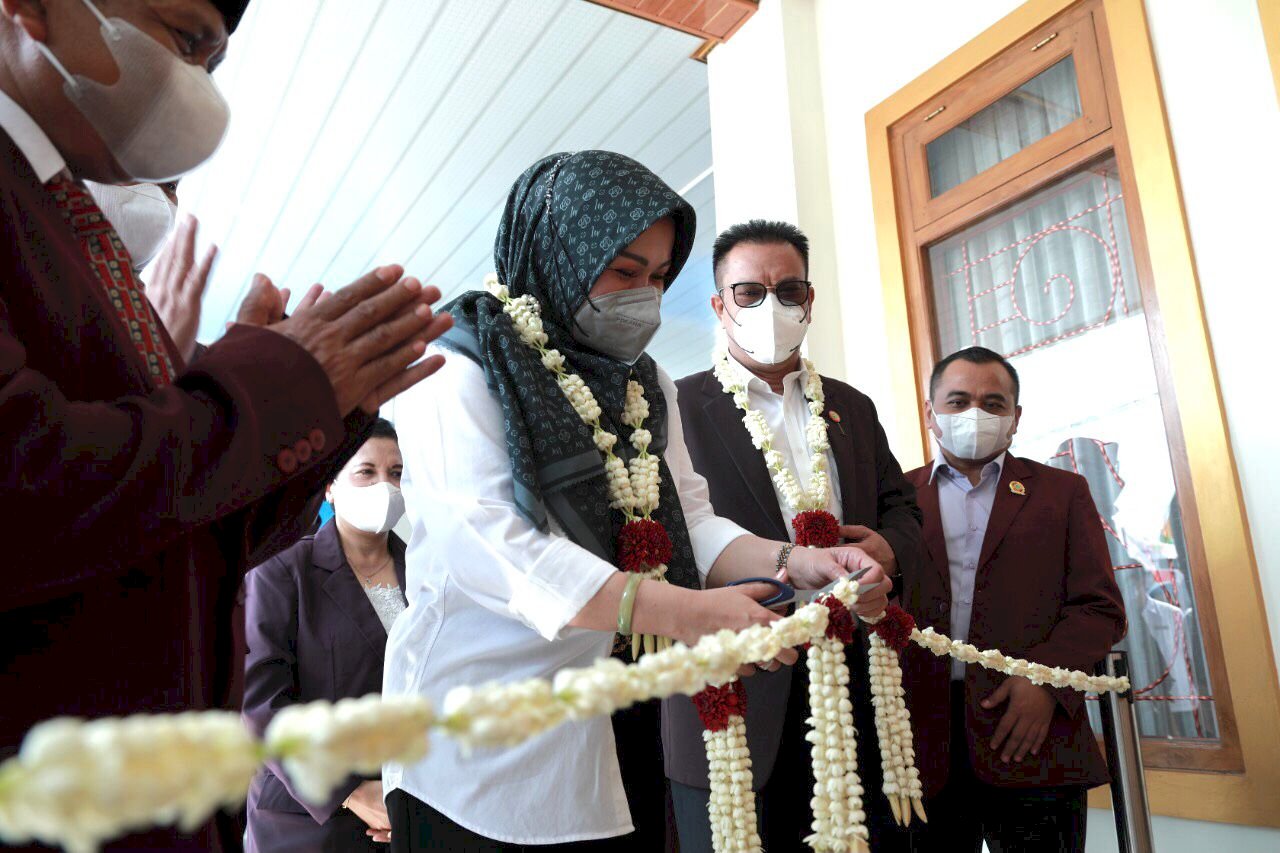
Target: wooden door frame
{"points": [[1243, 790]]}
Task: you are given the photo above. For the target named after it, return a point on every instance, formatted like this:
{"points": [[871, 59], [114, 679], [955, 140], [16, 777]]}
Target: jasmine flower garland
{"points": [[643, 543], [813, 524]]}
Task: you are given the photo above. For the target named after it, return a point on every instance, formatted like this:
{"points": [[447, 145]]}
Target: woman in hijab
{"points": [[511, 568]]}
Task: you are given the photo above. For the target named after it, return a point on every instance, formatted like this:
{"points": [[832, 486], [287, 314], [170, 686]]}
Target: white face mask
{"points": [[162, 118], [141, 214], [373, 509], [770, 332], [619, 324], [974, 433]]}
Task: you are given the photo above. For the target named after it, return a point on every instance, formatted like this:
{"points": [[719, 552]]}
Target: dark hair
{"points": [[974, 355], [758, 231], [382, 428]]}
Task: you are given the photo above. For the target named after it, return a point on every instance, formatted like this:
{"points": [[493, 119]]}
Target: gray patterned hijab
{"points": [[566, 218]]}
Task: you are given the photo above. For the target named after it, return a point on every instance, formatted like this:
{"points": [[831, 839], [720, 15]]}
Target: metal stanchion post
{"points": [[1124, 758]]}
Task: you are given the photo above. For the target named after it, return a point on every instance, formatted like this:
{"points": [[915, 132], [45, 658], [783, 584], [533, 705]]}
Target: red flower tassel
{"points": [[840, 622], [717, 704], [895, 628], [642, 545], [817, 528]]}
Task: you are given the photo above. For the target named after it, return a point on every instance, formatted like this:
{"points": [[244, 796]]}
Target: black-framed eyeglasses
{"points": [[749, 294]]}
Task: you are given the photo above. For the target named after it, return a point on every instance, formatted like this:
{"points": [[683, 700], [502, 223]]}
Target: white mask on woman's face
{"points": [[770, 332], [162, 117], [373, 509], [974, 433], [141, 214]]}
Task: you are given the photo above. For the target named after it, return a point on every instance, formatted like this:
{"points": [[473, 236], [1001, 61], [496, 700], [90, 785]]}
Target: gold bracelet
{"points": [[628, 604]]}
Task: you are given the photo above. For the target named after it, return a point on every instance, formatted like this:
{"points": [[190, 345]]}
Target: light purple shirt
{"points": [[965, 510]]}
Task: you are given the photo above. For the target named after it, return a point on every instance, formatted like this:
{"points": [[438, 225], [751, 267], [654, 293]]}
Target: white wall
{"points": [[1221, 101], [1226, 131], [868, 52]]}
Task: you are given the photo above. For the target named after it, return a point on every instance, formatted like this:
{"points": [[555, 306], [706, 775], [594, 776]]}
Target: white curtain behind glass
{"points": [[1045, 103]]}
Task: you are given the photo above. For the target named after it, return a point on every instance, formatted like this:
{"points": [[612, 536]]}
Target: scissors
{"points": [[786, 593]]}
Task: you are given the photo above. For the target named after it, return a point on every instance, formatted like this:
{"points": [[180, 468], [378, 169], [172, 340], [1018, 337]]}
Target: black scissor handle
{"points": [[784, 594]]}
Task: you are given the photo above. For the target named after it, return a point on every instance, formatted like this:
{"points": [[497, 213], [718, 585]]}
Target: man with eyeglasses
{"points": [[764, 302]]}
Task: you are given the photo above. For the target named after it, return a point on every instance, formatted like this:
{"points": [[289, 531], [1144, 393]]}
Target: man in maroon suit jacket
{"points": [[133, 499], [1016, 561]]}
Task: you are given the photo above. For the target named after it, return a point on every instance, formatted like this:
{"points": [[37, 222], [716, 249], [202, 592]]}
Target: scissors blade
{"points": [[806, 596]]}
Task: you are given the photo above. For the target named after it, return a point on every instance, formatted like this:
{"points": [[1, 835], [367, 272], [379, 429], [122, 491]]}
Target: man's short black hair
{"points": [[382, 428], [763, 231], [974, 355]]}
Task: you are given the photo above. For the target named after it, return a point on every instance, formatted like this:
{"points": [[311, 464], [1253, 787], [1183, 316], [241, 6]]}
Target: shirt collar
{"points": [[940, 462], [33, 142], [747, 377]]}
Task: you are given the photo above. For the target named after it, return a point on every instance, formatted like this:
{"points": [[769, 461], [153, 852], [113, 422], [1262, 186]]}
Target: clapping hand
{"points": [[176, 282], [368, 335]]}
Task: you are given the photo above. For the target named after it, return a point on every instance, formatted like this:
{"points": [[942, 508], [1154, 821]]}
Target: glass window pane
{"points": [[1047, 102], [1050, 284]]}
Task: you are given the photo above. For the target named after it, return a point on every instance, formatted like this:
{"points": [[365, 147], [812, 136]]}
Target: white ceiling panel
{"points": [[391, 130]]}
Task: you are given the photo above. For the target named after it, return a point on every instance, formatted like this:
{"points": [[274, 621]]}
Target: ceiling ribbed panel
{"points": [[390, 130]]}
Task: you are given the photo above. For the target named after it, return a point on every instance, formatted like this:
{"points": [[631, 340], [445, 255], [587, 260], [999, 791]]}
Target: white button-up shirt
{"points": [[788, 415], [965, 510], [33, 142], [490, 599]]}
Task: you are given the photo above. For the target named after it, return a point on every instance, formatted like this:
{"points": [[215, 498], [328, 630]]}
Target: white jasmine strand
{"points": [[816, 495], [77, 783]]}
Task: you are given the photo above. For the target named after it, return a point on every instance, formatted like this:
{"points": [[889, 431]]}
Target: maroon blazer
{"points": [[1044, 591], [312, 634], [130, 512]]}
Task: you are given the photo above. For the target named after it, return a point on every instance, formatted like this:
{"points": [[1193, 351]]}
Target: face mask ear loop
{"points": [[109, 27], [735, 322], [106, 25], [58, 66]]}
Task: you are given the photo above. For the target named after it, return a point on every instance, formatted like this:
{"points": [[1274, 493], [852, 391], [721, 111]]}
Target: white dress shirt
{"points": [[788, 415], [965, 510], [33, 142], [490, 599]]}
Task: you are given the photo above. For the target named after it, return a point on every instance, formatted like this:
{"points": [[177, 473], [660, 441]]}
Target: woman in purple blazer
{"points": [[317, 617]]}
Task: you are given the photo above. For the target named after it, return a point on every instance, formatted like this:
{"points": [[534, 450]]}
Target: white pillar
{"points": [[769, 148]]}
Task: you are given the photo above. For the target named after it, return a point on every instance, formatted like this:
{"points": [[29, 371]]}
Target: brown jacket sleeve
{"points": [[118, 480], [1093, 618]]}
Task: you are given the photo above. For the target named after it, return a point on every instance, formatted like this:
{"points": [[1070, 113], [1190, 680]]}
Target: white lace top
{"points": [[387, 601]]}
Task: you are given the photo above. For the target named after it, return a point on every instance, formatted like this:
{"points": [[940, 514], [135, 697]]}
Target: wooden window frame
{"points": [[1018, 64], [1230, 779]]}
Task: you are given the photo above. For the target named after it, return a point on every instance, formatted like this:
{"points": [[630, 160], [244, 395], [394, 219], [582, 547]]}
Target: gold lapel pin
{"points": [[835, 418], [1017, 488]]}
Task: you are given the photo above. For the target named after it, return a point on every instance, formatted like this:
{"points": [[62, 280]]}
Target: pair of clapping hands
{"points": [[368, 337]]}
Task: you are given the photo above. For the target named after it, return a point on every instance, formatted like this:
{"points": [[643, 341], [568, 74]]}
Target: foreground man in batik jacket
{"points": [[765, 302], [143, 486], [1016, 561]]}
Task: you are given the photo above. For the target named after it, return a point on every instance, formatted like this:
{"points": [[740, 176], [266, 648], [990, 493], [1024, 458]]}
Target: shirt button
{"points": [[287, 461]]}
